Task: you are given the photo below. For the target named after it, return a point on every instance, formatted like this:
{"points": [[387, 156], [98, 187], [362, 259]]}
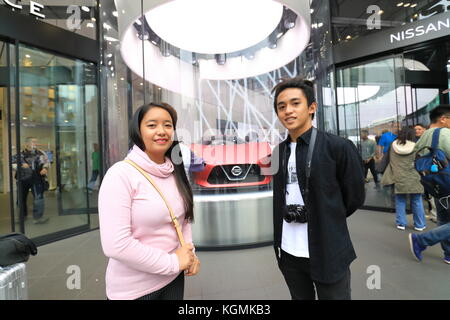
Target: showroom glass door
{"points": [[49, 135], [369, 97]]}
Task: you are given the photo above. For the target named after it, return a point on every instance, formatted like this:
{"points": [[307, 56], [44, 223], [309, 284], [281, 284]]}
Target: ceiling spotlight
{"points": [[194, 58], [86, 9], [144, 31], [407, 4], [399, 4], [249, 55], [164, 47], [221, 58], [414, 5], [289, 18], [155, 39], [272, 41]]}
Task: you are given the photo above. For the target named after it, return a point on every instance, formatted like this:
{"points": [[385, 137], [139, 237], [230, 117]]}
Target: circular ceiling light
{"points": [[213, 26], [273, 42]]}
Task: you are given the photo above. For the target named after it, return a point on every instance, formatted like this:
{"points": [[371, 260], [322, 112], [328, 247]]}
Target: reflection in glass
{"points": [[54, 95]]}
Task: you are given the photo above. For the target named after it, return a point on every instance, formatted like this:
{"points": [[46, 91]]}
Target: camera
{"points": [[295, 213]]}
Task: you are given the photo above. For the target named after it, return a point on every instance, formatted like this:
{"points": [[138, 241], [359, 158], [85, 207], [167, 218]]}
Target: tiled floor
{"points": [[252, 273]]}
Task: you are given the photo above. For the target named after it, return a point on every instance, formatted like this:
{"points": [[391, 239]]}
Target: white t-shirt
{"points": [[294, 238]]}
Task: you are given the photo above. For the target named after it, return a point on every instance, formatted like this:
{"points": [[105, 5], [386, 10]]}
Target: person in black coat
{"points": [[311, 238]]}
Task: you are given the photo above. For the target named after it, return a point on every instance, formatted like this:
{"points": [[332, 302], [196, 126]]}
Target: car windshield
{"points": [[221, 140]]}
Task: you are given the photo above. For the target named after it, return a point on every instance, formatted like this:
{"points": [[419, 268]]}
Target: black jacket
{"points": [[336, 191]]}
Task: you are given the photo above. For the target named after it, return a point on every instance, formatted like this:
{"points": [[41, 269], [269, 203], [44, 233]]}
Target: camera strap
{"points": [[312, 142]]}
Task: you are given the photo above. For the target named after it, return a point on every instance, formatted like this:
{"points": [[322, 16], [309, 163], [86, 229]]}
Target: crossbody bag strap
{"points": [[174, 219], [312, 142]]}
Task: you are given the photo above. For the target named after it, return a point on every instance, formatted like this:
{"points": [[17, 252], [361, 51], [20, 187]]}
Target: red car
{"points": [[231, 162]]}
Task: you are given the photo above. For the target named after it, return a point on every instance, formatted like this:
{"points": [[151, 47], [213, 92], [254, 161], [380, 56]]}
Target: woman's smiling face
{"points": [[157, 131]]}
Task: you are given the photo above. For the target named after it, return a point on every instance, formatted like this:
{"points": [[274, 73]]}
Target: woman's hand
{"points": [[185, 256], [194, 268]]}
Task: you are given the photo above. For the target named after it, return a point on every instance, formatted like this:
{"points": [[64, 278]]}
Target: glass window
{"points": [[54, 159], [367, 98]]}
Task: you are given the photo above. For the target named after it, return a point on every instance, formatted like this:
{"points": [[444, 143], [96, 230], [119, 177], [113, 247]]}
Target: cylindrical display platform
{"points": [[227, 221]]}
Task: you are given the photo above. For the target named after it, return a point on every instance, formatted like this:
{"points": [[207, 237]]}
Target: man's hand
{"points": [[43, 172], [25, 165]]}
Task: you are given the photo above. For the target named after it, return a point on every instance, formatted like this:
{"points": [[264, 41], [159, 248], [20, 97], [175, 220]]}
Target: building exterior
{"points": [[68, 80], [381, 65]]}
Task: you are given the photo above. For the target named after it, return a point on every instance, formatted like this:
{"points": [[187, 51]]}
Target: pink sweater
{"points": [[135, 227]]}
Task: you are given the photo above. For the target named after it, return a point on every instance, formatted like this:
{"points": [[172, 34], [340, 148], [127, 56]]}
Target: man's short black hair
{"points": [[439, 111], [306, 86], [420, 125], [365, 131]]}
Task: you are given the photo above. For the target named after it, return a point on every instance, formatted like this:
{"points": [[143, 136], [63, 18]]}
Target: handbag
{"points": [[174, 219], [15, 248]]}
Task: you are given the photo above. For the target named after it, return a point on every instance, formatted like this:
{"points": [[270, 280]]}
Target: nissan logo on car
{"points": [[236, 171]]}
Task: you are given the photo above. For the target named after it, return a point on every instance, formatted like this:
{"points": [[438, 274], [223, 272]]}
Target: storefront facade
{"points": [[49, 95], [389, 65]]}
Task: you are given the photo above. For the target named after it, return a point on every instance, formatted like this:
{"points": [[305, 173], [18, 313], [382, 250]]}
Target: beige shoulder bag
{"points": [[174, 219]]}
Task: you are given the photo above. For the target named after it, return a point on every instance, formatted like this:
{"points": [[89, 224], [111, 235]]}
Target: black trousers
{"points": [[172, 291], [37, 189], [297, 274], [371, 165]]}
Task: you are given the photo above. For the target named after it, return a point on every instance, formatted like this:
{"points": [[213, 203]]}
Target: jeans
{"points": [[416, 207], [94, 176], [297, 274], [439, 234]]}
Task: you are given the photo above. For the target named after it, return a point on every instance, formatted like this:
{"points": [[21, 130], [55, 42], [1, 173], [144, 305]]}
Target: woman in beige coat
{"points": [[406, 180]]}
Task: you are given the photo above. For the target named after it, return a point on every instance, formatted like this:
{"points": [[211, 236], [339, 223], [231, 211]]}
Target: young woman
{"points": [[400, 172], [146, 261]]}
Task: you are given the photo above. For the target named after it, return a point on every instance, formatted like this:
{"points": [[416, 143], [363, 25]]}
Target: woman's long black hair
{"points": [[406, 134], [182, 182]]}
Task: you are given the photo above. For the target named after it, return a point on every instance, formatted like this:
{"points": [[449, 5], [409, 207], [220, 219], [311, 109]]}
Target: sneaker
{"points": [[41, 220], [447, 260], [416, 248], [399, 227], [419, 229]]}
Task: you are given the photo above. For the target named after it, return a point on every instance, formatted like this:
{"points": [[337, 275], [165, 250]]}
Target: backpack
{"points": [[15, 248], [434, 169]]}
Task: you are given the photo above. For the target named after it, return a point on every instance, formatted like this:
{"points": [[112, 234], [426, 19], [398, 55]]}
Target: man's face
{"points": [[32, 144], [445, 120], [293, 110], [419, 130], [363, 135]]}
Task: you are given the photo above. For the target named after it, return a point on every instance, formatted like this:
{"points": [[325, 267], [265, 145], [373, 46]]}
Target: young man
{"points": [[316, 252], [440, 118], [419, 129], [32, 176], [385, 142], [368, 150]]}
